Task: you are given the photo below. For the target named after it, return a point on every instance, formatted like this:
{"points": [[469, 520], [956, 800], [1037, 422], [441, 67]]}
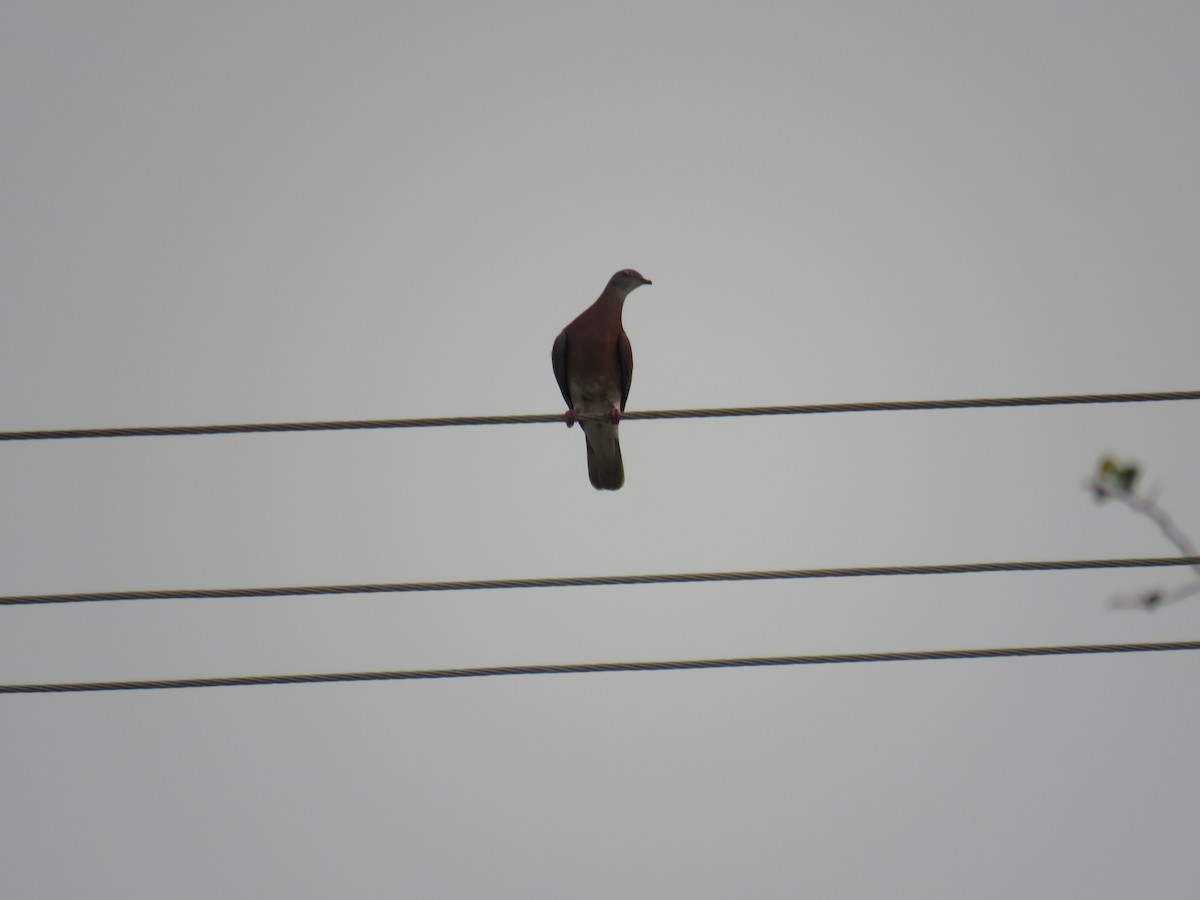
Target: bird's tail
{"points": [[605, 469]]}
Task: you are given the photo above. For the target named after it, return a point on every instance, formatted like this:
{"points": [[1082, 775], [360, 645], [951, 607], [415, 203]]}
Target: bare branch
{"points": [[1159, 517], [1153, 599], [1115, 481]]}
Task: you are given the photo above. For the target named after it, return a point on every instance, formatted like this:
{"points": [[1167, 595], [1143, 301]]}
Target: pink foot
{"points": [[571, 417], [612, 415]]}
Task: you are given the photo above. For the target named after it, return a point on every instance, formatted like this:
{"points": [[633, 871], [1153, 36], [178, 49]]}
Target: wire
{"points": [[403, 587], [719, 412], [575, 668]]}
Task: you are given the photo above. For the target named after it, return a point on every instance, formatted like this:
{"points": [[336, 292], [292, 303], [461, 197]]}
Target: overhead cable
{"points": [[542, 418], [579, 668], [405, 587]]}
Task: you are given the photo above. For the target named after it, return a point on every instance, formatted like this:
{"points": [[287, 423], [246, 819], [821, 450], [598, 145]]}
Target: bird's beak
{"points": [[647, 281]]}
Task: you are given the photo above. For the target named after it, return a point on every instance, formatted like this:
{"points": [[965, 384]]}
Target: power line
{"points": [[717, 412], [577, 668], [403, 587]]}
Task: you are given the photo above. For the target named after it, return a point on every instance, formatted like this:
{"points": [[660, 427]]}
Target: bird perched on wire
{"points": [[593, 363]]}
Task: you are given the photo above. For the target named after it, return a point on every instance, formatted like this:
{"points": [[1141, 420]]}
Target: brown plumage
{"points": [[593, 363]]}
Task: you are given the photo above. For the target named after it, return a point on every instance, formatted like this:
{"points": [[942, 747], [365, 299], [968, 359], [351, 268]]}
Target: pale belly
{"points": [[594, 395]]}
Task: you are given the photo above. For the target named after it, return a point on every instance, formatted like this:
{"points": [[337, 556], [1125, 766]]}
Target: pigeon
{"points": [[593, 363]]}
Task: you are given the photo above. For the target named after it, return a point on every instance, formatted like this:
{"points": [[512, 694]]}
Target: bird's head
{"points": [[626, 280]]}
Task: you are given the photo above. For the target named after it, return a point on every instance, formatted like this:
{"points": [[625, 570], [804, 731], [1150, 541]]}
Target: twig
{"points": [[1114, 481], [1159, 517]]}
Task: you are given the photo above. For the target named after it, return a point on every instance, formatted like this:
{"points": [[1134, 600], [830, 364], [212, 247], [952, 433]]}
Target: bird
{"points": [[593, 363]]}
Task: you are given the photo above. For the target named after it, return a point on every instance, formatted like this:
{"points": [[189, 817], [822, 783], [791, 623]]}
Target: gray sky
{"points": [[229, 212]]}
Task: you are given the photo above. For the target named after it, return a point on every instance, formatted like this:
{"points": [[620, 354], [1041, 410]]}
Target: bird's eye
{"points": [[627, 273]]}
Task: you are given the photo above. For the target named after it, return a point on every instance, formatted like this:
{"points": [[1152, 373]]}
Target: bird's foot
{"points": [[571, 417], [612, 415]]}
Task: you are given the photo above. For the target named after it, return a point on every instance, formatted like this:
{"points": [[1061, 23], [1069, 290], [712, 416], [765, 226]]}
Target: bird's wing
{"points": [[624, 365], [558, 358]]}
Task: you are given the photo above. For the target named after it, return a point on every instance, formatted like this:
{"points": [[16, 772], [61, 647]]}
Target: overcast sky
{"points": [[241, 212]]}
